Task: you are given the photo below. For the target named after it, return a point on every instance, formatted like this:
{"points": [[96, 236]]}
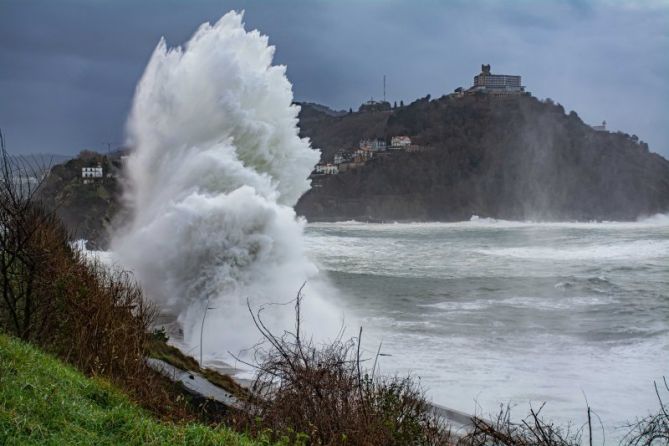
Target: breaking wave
{"points": [[639, 249], [218, 165]]}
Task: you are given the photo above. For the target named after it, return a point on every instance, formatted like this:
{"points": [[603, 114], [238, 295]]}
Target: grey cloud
{"points": [[69, 67]]}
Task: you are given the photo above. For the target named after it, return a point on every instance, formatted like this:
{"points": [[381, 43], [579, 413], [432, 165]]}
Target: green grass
{"points": [[43, 401]]}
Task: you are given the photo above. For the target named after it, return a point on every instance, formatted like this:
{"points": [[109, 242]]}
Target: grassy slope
{"points": [[43, 401]]}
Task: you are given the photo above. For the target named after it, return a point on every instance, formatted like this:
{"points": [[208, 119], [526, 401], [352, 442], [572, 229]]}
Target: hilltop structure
{"points": [[511, 157], [374, 106], [600, 128], [90, 174], [496, 84]]}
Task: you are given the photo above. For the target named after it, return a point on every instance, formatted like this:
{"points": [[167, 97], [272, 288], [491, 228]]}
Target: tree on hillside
{"points": [[22, 220], [88, 154]]}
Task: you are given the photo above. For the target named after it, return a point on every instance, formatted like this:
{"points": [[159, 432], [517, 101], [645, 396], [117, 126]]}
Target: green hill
{"points": [[514, 158], [43, 401]]}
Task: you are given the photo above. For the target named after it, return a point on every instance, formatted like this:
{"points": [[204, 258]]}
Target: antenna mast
{"points": [[384, 88], [109, 145]]}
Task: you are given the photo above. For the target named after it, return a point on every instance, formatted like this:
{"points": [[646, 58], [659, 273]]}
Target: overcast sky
{"points": [[68, 68]]}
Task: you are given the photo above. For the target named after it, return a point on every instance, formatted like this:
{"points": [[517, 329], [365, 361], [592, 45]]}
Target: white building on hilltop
{"points": [[496, 83], [92, 172]]}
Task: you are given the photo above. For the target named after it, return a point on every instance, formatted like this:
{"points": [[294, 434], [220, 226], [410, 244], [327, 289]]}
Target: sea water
{"points": [[491, 312], [482, 311]]}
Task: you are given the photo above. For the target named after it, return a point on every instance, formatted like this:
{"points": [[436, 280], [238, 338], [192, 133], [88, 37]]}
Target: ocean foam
{"points": [[639, 249], [217, 168]]}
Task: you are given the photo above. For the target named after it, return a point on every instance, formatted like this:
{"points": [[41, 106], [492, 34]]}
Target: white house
{"points": [[375, 145], [327, 169], [362, 155], [91, 172], [342, 157], [400, 142], [378, 145]]}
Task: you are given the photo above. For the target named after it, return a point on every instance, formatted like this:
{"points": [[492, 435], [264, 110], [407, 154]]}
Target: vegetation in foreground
{"points": [[43, 401], [327, 393], [99, 322]]}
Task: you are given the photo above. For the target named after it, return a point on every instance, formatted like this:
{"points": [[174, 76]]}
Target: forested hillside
{"points": [[510, 158]]}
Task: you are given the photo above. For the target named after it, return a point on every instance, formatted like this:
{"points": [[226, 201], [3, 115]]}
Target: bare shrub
{"points": [[103, 318], [96, 319], [532, 431], [25, 236], [654, 429], [324, 393]]}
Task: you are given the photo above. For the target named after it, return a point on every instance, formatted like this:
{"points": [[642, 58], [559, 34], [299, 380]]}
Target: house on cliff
{"points": [[373, 145], [400, 142], [326, 169], [91, 174], [342, 157]]}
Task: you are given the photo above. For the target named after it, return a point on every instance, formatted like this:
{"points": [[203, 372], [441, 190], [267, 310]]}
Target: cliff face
{"points": [[86, 210], [513, 158]]}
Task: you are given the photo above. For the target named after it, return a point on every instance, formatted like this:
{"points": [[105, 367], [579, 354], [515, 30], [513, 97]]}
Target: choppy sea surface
{"points": [[488, 312]]}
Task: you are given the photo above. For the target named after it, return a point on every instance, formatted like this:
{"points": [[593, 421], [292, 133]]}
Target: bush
{"points": [[52, 296], [532, 431], [653, 429], [323, 392]]}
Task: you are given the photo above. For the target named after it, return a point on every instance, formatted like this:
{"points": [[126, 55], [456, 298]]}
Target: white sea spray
{"points": [[217, 166]]}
